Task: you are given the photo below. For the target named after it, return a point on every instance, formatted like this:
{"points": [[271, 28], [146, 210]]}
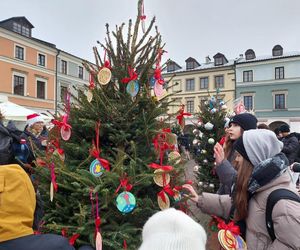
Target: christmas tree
{"points": [[118, 163], [209, 130]]}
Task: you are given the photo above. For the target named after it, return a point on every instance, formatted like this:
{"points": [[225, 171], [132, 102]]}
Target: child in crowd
{"points": [[172, 229]]}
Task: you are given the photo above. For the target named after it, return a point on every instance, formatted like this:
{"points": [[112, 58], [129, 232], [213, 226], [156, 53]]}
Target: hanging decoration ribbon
{"points": [[157, 71], [53, 184], [132, 75], [95, 151], [181, 115], [97, 219], [106, 61], [124, 244], [92, 81], [124, 182], [166, 189], [164, 168], [142, 17], [56, 144], [72, 239]]}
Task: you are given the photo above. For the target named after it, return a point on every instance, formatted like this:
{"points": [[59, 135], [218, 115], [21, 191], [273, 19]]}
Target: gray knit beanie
{"points": [[172, 229], [261, 144]]}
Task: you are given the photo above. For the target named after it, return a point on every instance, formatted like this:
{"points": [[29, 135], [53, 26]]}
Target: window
{"points": [[171, 67], [190, 65], [63, 93], [41, 60], [248, 102], [250, 54], [277, 50], [279, 101], [219, 61], [190, 85], [23, 30], [41, 89], [204, 83], [19, 52], [80, 72], [19, 85], [63, 67], [190, 106], [219, 82], [279, 73], [17, 28], [248, 76]]}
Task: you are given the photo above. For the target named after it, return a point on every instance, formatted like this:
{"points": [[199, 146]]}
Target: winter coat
{"points": [[17, 203], [226, 174], [285, 216], [290, 147]]}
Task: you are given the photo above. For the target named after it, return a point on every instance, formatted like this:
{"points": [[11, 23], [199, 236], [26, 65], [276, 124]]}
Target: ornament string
{"points": [[97, 219], [157, 71], [124, 182], [132, 76], [95, 152]]}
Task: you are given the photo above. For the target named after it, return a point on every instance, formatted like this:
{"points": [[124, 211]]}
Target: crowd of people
{"points": [[252, 163]]}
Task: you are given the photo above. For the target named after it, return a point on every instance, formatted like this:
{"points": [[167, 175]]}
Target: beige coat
{"points": [[286, 216]]}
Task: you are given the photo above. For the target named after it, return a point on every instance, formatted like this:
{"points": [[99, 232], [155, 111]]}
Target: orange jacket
{"points": [[17, 203]]}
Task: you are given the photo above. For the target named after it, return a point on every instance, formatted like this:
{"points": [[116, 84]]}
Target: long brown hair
{"points": [[1, 117], [245, 169]]}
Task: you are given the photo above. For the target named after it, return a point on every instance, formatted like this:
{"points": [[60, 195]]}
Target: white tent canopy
{"points": [[12, 111]]}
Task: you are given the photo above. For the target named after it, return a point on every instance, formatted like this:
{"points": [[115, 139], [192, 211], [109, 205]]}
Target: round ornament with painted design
{"points": [[65, 133], [104, 76], [163, 204], [174, 156], [126, 202], [161, 178], [159, 90], [133, 88], [96, 168]]}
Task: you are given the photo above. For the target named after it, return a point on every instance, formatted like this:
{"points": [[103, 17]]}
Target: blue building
{"points": [[270, 86]]}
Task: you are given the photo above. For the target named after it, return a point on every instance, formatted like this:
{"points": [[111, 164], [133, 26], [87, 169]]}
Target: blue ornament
{"points": [[133, 88], [152, 81], [221, 103], [126, 202], [96, 168]]}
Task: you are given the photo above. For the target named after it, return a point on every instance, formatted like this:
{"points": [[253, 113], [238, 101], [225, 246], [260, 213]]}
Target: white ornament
{"points": [[196, 168], [200, 183], [208, 126], [213, 110], [203, 151], [224, 107], [211, 141], [211, 186], [205, 161], [195, 142], [200, 123], [221, 103], [205, 185], [196, 131]]}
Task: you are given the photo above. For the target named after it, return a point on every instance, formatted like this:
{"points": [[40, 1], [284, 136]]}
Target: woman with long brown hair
{"points": [[224, 156], [262, 168]]}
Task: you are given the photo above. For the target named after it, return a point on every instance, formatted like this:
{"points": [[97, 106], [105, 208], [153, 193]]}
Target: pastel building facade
{"points": [[270, 86], [194, 83]]}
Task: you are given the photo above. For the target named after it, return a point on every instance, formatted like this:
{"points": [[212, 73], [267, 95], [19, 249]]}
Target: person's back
{"points": [[172, 229]]}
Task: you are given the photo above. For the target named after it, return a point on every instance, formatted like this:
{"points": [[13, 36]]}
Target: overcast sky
{"points": [[195, 28]]}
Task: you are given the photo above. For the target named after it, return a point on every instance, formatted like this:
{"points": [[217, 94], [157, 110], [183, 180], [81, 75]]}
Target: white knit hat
{"points": [[172, 229], [33, 118]]}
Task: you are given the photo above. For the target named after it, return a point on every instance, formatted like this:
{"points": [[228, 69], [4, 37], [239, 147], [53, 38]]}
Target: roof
{"points": [[268, 57], [203, 66], [16, 18]]}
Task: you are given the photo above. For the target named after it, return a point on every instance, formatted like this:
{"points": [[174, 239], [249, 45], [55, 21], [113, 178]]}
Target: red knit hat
{"points": [[33, 118]]}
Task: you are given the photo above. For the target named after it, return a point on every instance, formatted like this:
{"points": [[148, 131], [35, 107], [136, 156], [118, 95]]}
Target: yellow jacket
{"points": [[17, 203]]}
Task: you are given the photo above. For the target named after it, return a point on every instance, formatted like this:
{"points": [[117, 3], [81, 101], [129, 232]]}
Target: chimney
{"points": [[207, 59]]}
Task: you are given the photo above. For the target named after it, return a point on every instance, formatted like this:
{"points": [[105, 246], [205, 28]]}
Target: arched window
{"points": [[250, 54], [277, 50]]}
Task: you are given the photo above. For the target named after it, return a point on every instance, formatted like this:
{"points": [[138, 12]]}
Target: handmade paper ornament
{"points": [[161, 203], [126, 202], [174, 156], [227, 240], [211, 141], [104, 76], [177, 196], [133, 88], [89, 95], [65, 133], [171, 138], [96, 168], [208, 126], [161, 178], [152, 81], [159, 90]]}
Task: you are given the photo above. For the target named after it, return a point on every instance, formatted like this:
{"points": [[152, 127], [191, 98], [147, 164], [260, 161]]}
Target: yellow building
{"points": [[195, 82]]}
